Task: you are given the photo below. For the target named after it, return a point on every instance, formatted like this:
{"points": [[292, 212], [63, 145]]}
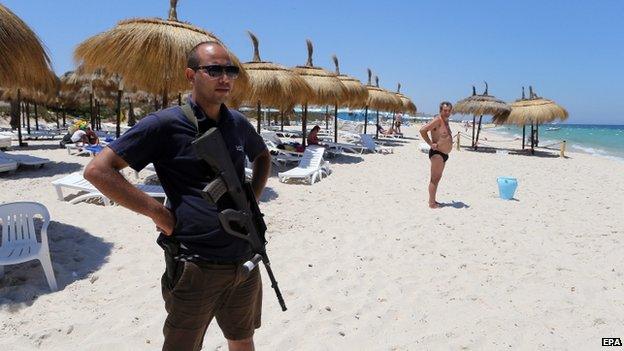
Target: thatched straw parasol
{"points": [[24, 63], [27, 97], [149, 53], [408, 104], [85, 84], [534, 110], [356, 94], [379, 99], [271, 84], [326, 87], [483, 104]]}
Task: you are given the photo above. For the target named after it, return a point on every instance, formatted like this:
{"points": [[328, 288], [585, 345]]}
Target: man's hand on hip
{"points": [[164, 220]]}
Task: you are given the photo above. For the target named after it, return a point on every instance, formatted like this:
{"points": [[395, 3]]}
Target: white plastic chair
{"points": [[19, 238]]}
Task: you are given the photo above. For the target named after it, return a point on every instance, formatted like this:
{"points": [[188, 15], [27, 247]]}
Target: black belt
{"points": [[203, 261]]}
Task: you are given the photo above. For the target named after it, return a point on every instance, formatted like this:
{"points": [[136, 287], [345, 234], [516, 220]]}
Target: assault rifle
{"points": [[244, 222]]}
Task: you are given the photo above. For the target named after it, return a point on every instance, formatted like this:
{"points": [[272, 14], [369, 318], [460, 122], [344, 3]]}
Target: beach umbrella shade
{"points": [[479, 105], [27, 96], [398, 104], [272, 85], [408, 104], [356, 94], [91, 83], [150, 53], [327, 89], [535, 110], [24, 63], [378, 99]]}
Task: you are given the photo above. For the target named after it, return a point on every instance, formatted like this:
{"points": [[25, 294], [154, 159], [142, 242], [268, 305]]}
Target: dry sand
{"points": [[362, 262]]}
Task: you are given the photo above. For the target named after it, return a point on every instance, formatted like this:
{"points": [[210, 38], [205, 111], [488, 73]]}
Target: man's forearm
{"points": [[425, 137], [114, 186], [261, 171]]}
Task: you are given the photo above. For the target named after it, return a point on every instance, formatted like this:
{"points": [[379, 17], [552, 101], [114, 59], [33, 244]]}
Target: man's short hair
{"points": [[192, 60], [444, 104]]}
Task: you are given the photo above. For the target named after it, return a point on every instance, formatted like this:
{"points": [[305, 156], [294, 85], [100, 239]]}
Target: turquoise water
{"points": [[596, 139]]}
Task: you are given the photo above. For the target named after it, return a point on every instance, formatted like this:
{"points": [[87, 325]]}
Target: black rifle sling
{"points": [[190, 115]]}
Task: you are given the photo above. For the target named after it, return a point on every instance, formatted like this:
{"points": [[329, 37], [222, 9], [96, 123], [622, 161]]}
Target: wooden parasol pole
{"points": [[478, 131], [532, 139], [19, 113], [336, 123], [28, 117], [377, 126], [118, 111], [36, 117], [282, 117], [304, 121], [91, 107], [365, 118], [165, 99], [258, 116], [131, 119], [537, 134], [327, 118], [473, 130]]}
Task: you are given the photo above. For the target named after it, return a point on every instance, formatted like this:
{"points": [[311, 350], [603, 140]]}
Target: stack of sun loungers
{"points": [[76, 181]]}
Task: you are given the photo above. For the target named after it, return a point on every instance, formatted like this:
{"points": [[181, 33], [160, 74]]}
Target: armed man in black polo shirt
{"points": [[205, 279]]}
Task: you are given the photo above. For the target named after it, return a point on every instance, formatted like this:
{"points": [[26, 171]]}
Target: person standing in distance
{"points": [[441, 143]]}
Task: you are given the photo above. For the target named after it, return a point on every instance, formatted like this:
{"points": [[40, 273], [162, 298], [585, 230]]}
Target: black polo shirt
{"points": [[164, 139]]}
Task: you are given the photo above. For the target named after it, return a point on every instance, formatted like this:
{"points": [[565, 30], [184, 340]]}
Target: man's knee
{"points": [[435, 180], [246, 344]]}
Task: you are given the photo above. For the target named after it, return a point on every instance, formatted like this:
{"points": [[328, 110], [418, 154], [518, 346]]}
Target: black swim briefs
{"points": [[433, 152]]}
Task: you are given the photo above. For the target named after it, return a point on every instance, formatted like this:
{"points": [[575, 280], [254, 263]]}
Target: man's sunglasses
{"points": [[217, 71]]}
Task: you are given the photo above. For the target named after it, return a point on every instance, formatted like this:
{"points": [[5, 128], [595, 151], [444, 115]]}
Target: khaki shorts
{"points": [[201, 291]]}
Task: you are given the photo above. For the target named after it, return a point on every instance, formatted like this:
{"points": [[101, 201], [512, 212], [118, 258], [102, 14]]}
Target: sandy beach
{"points": [[362, 262]]}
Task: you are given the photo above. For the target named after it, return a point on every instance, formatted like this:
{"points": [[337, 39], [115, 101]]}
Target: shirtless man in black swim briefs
{"points": [[441, 143]]}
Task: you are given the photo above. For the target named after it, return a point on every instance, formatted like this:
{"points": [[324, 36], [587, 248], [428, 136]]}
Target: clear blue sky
{"points": [[570, 51]]}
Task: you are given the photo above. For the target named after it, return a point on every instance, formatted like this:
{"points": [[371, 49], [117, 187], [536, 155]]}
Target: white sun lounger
{"points": [[19, 237], [7, 165], [368, 142], [25, 160], [77, 182], [339, 147], [281, 156], [5, 141], [310, 168]]}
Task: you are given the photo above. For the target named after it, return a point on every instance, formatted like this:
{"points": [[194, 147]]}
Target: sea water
{"points": [[597, 139]]}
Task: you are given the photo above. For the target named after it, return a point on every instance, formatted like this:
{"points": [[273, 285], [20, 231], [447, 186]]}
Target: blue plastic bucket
{"points": [[507, 187]]}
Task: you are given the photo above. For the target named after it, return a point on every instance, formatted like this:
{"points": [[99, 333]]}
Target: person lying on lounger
{"points": [[389, 132]]}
